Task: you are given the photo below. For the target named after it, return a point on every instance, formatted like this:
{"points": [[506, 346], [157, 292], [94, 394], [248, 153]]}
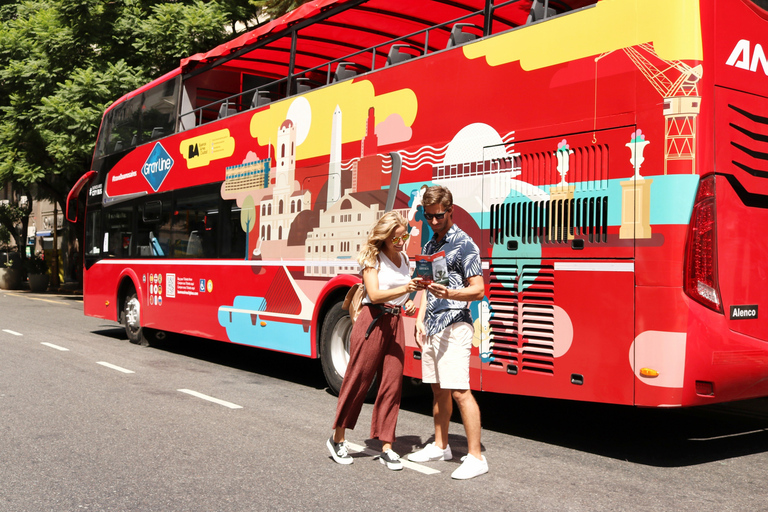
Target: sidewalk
{"points": [[68, 288]]}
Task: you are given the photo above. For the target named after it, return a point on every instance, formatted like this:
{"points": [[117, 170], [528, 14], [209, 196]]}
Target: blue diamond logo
{"points": [[157, 166]]}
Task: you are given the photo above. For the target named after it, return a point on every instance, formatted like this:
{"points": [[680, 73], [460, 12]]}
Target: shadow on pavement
{"points": [[301, 370], [654, 437]]}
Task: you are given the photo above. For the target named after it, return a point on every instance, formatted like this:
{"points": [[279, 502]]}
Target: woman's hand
{"points": [[410, 307], [419, 332], [414, 285]]}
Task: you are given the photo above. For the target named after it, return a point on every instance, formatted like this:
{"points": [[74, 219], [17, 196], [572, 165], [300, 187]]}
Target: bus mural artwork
{"points": [[597, 151]]}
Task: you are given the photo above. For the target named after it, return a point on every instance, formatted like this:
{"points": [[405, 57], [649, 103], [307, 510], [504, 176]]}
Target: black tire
{"points": [[334, 349], [132, 320]]}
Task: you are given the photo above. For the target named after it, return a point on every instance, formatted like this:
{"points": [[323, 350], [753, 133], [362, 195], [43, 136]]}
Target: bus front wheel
{"points": [[132, 320], [334, 349]]}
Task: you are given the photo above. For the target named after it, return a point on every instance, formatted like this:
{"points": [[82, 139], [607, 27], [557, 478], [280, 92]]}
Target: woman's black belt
{"points": [[383, 309]]}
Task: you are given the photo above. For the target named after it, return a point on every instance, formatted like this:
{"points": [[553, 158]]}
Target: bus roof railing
{"points": [[352, 64]]}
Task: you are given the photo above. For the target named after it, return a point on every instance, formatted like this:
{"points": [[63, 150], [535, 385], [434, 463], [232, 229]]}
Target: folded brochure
{"points": [[432, 267]]}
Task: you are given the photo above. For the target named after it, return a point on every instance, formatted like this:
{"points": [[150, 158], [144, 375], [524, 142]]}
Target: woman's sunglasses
{"points": [[404, 238]]}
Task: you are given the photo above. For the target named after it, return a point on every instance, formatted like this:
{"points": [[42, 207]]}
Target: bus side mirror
{"points": [[72, 206], [72, 209]]}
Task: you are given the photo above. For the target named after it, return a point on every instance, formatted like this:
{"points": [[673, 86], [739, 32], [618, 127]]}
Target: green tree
{"points": [[276, 8], [62, 62]]}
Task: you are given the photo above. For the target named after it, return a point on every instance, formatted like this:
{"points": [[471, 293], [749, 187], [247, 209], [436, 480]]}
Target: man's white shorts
{"points": [[445, 357]]}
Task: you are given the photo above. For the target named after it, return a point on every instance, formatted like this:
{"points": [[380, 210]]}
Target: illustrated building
{"points": [[280, 209], [247, 176], [344, 225], [332, 247], [334, 166]]}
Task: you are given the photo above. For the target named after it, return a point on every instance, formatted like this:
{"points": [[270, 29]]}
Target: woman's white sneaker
{"points": [[339, 451], [431, 452], [470, 468], [392, 460]]}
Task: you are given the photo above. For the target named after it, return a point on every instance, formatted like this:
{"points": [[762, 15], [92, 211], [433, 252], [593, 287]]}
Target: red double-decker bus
{"points": [[610, 159]]}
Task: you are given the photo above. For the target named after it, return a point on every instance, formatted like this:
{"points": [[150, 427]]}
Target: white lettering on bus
{"points": [[121, 177], [740, 57], [738, 312]]}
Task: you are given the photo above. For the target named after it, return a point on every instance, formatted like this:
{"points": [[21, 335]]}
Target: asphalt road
{"points": [[91, 422]]}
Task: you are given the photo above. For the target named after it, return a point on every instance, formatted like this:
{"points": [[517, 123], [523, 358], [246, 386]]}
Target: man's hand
{"points": [[438, 290]]}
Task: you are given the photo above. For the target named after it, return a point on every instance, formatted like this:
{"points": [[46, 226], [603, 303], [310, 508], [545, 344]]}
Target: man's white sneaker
{"points": [[392, 460], [470, 468], [431, 452], [339, 451]]}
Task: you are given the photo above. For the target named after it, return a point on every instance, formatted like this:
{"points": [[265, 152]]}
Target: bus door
{"points": [[558, 316]]}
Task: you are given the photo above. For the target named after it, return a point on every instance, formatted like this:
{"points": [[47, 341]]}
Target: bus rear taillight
{"points": [[700, 270]]}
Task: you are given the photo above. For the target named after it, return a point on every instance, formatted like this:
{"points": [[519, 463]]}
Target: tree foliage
{"points": [[62, 62], [276, 8]]}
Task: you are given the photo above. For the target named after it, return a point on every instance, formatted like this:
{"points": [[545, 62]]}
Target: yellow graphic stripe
{"points": [[673, 26], [354, 98]]}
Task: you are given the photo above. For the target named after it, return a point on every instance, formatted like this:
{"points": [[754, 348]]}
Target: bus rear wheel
{"points": [[132, 320], [334, 349]]}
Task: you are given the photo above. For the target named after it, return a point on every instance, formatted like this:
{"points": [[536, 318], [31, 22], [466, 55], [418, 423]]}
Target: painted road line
{"points": [[12, 332], [55, 346], [108, 365], [406, 463], [211, 399]]}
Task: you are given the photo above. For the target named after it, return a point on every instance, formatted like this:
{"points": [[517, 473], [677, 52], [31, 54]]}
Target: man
{"points": [[446, 324]]}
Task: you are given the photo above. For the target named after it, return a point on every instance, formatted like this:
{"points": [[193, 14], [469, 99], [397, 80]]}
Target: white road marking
{"points": [[211, 399], [55, 346], [406, 463], [12, 332], [108, 365]]}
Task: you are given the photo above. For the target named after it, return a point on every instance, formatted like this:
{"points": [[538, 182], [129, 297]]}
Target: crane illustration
{"points": [[677, 83]]}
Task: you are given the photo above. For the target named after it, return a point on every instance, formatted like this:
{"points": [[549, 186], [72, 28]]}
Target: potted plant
{"points": [[10, 277], [10, 273], [37, 272]]}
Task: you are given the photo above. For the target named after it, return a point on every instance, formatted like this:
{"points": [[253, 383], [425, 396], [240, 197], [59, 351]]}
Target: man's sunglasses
{"points": [[396, 240], [438, 216]]}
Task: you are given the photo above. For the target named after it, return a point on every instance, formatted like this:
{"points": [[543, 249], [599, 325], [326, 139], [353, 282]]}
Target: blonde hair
{"points": [[380, 232]]}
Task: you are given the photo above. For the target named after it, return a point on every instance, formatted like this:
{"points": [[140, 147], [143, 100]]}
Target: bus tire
{"points": [[334, 350], [132, 320]]}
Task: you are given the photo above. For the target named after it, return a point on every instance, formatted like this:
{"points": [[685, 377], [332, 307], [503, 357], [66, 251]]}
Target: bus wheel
{"points": [[334, 349], [132, 320]]}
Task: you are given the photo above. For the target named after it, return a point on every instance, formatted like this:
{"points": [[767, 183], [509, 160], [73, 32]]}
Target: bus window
{"points": [[158, 111], [119, 233], [205, 96], [121, 128], [93, 233], [144, 117], [232, 234], [193, 227], [153, 234]]}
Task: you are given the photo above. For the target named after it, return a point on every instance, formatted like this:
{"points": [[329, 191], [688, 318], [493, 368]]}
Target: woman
{"points": [[377, 343]]}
